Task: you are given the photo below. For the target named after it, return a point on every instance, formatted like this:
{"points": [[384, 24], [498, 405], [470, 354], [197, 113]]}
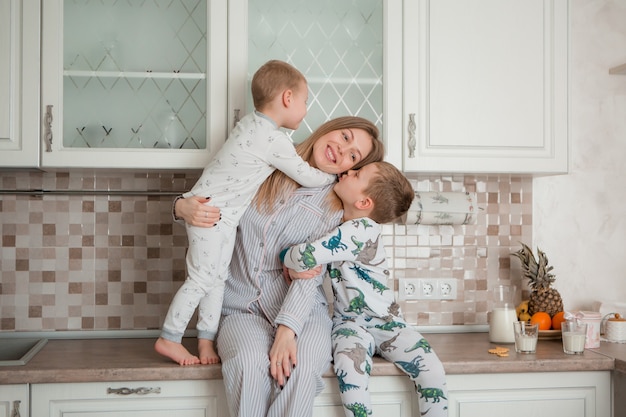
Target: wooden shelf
{"points": [[620, 69]]}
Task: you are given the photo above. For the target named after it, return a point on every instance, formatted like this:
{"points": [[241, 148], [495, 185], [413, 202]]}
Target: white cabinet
{"points": [[19, 83], [14, 400], [391, 396], [133, 84], [538, 394], [485, 86], [147, 398]]}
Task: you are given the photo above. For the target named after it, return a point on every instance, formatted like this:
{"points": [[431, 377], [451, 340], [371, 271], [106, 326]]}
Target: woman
{"points": [[274, 338]]}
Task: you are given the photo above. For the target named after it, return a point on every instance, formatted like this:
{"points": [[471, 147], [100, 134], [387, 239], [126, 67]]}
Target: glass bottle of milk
{"points": [[503, 315]]}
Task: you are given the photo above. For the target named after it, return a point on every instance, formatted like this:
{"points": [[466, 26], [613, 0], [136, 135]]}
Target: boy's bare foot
{"points": [[175, 351], [207, 353]]}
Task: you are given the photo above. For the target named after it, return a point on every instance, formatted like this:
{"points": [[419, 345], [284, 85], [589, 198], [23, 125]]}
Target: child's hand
{"points": [[291, 274], [311, 273]]}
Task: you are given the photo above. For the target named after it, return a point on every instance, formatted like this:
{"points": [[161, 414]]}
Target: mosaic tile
{"points": [[109, 262]]}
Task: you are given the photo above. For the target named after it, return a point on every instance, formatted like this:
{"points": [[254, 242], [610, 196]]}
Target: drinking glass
{"points": [[526, 336], [574, 334]]}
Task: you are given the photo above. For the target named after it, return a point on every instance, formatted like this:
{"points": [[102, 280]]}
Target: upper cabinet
{"points": [[130, 84], [485, 86], [338, 46], [19, 83]]}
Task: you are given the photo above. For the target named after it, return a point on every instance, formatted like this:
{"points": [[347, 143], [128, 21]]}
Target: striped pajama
{"points": [[257, 299]]}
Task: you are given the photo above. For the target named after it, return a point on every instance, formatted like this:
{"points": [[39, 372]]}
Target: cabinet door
{"points": [[391, 396], [14, 400], [540, 394], [149, 399], [133, 84], [485, 86], [19, 83], [337, 45]]}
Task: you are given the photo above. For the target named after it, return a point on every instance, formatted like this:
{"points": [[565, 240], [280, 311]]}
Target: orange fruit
{"points": [[557, 319], [543, 319]]}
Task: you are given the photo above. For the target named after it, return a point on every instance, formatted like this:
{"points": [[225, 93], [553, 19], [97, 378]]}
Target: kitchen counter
{"points": [[88, 360]]}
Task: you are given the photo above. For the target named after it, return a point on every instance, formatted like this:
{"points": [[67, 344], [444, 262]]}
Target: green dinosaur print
{"points": [[422, 343], [412, 368], [357, 304], [435, 394], [343, 332], [390, 326], [343, 385], [334, 273], [359, 245], [335, 243], [362, 273], [358, 409], [364, 222], [378, 286], [439, 199], [308, 260]]}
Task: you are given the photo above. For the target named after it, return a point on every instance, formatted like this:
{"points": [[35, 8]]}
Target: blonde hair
{"points": [[280, 185], [271, 79], [391, 192]]}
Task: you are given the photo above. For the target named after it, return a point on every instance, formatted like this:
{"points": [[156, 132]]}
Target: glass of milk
{"points": [[526, 336], [574, 334]]}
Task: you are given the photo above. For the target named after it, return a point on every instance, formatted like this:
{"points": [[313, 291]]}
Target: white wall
{"points": [[580, 219]]}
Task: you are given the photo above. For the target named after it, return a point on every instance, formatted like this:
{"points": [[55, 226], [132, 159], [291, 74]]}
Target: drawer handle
{"points": [[131, 391], [47, 136], [16, 409], [412, 142]]}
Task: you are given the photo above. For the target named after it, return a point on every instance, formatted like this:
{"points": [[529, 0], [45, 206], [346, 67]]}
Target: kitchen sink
{"points": [[19, 351]]}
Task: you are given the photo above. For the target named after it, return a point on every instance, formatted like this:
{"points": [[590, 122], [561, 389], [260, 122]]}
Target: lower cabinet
{"points": [[147, 398], [14, 400], [391, 396], [538, 394]]}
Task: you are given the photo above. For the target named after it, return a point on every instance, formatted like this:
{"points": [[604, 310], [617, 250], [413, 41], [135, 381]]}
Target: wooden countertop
{"points": [[90, 360]]}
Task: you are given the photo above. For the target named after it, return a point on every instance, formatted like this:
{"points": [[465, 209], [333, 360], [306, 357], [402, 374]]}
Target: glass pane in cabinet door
{"points": [[135, 74], [336, 44]]}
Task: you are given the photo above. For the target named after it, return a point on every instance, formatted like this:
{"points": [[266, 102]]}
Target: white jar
{"points": [[615, 329], [503, 315]]}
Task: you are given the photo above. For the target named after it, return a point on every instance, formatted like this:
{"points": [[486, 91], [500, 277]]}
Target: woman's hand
{"points": [[283, 354], [196, 212]]}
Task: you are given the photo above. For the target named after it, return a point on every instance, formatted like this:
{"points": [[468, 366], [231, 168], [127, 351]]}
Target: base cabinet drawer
{"points": [[139, 399], [537, 394]]}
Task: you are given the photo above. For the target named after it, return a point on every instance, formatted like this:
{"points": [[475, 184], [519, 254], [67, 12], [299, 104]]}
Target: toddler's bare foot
{"points": [[175, 351], [207, 353]]}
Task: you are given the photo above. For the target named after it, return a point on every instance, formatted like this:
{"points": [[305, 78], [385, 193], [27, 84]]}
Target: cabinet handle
{"points": [[16, 409], [47, 136], [138, 391], [412, 142], [236, 118]]}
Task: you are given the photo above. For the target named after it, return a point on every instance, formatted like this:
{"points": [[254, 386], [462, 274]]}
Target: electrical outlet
{"points": [[427, 289], [447, 288]]}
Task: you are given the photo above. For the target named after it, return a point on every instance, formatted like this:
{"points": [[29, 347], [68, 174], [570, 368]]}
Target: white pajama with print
{"points": [[366, 319], [254, 149]]}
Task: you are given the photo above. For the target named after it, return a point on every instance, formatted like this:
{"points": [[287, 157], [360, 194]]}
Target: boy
{"points": [[366, 319], [254, 148]]}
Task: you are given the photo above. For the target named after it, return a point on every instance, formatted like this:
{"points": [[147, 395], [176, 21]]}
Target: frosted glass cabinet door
{"points": [[337, 44], [19, 83], [133, 84]]}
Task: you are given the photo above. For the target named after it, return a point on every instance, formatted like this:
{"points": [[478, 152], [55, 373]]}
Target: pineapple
{"points": [[542, 296]]}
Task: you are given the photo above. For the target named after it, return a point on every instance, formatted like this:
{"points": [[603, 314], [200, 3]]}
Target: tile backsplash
{"points": [[99, 251]]}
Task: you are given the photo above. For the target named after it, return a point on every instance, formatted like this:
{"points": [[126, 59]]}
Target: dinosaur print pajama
{"points": [[366, 319]]}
